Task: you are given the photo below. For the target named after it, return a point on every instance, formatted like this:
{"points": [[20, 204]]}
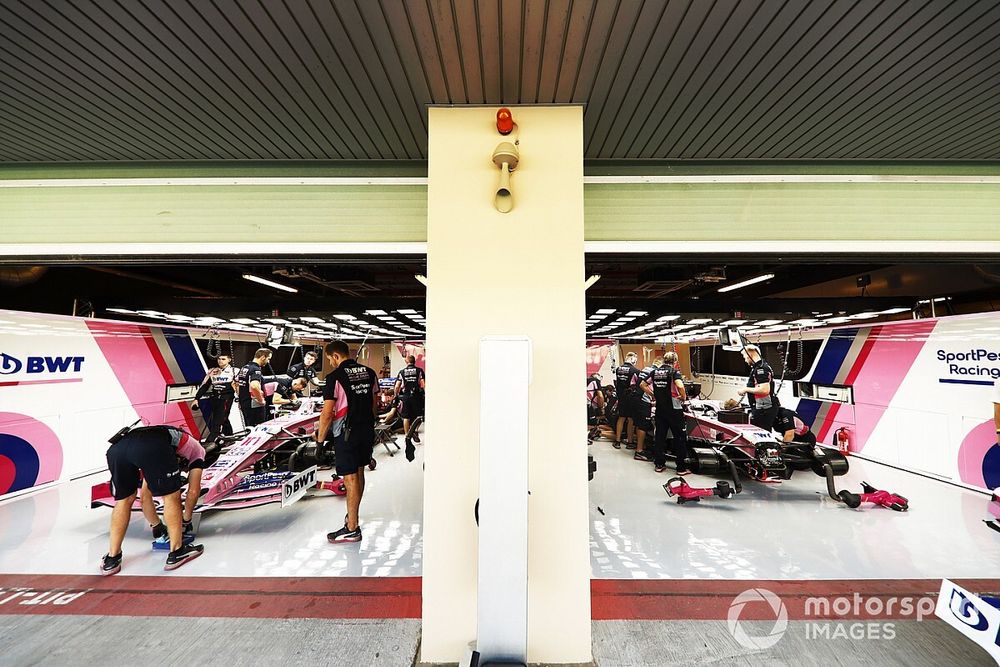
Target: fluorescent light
{"points": [[700, 320], [895, 311], [838, 320], [735, 322], [767, 323], [275, 320], [124, 311], [208, 320], [591, 280], [311, 319], [746, 283], [269, 283], [864, 316], [668, 318], [606, 311], [374, 312], [180, 318], [422, 279], [344, 317], [636, 313], [244, 320], [925, 301], [407, 311]]}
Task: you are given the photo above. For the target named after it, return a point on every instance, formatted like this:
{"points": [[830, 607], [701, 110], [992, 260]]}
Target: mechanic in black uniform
{"points": [[147, 453], [626, 387], [350, 405], [792, 428], [250, 383], [760, 389], [306, 368], [287, 391], [218, 387], [643, 415], [666, 386], [410, 384]]}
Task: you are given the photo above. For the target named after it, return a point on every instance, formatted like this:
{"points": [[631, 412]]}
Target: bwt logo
{"points": [[10, 364]]}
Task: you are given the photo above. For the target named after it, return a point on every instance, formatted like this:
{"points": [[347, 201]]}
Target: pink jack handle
{"points": [[685, 493], [870, 494], [336, 486]]}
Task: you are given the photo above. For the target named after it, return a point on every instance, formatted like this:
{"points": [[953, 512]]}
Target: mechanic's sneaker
{"points": [[416, 437], [642, 456], [163, 543], [616, 444], [345, 534], [187, 527], [159, 530], [630, 445], [186, 553], [683, 471], [111, 564], [660, 468]]}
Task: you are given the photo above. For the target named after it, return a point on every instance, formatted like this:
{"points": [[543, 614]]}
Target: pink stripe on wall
{"points": [[878, 374], [127, 350]]}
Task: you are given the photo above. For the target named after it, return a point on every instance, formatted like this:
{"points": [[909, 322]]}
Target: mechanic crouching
{"points": [[150, 454], [760, 389]]}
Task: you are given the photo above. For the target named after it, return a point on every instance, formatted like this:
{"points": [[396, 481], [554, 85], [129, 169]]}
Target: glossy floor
{"points": [[55, 532], [792, 530]]}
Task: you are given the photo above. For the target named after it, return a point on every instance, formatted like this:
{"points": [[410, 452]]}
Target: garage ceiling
{"points": [[99, 80]]}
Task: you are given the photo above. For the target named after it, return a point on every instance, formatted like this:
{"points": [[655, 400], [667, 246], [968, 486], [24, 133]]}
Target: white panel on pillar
{"points": [[504, 377]]}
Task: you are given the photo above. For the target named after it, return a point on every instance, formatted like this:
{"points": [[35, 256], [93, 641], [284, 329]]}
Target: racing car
{"points": [[275, 462], [725, 442]]}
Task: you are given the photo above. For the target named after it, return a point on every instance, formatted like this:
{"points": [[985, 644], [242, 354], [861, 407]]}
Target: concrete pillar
{"points": [[494, 274]]}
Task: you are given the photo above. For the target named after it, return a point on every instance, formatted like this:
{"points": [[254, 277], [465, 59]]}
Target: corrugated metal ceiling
{"points": [[96, 80]]}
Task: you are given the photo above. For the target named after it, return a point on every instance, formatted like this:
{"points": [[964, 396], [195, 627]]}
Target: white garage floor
{"points": [[791, 530], [55, 532]]}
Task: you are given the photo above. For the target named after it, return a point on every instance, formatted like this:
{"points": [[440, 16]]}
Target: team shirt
{"points": [[644, 375], [410, 377], [300, 370], [593, 386], [761, 373], [219, 382], [352, 389], [249, 373], [626, 378], [664, 383]]}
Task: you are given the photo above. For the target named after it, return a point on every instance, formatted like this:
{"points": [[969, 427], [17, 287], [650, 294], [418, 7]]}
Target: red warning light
{"points": [[505, 121]]}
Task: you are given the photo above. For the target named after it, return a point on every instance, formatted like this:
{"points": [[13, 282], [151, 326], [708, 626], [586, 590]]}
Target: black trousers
{"points": [[675, 422], [251, 415], [218, 421], [764, 418]]}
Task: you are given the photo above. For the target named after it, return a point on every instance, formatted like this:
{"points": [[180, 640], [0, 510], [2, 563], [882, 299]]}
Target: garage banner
{"points": [[597, 354]]}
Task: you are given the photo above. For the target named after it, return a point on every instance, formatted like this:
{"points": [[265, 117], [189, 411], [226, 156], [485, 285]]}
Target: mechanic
{"points": [[250, 383], [666, 386], [288, 391], [306, 368], [643, 416], [218, 386], [410, 385], [626, 387], [595, 399], [759, 389], [350, 402], [792, 428], [191, 459], [149, 453]]}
